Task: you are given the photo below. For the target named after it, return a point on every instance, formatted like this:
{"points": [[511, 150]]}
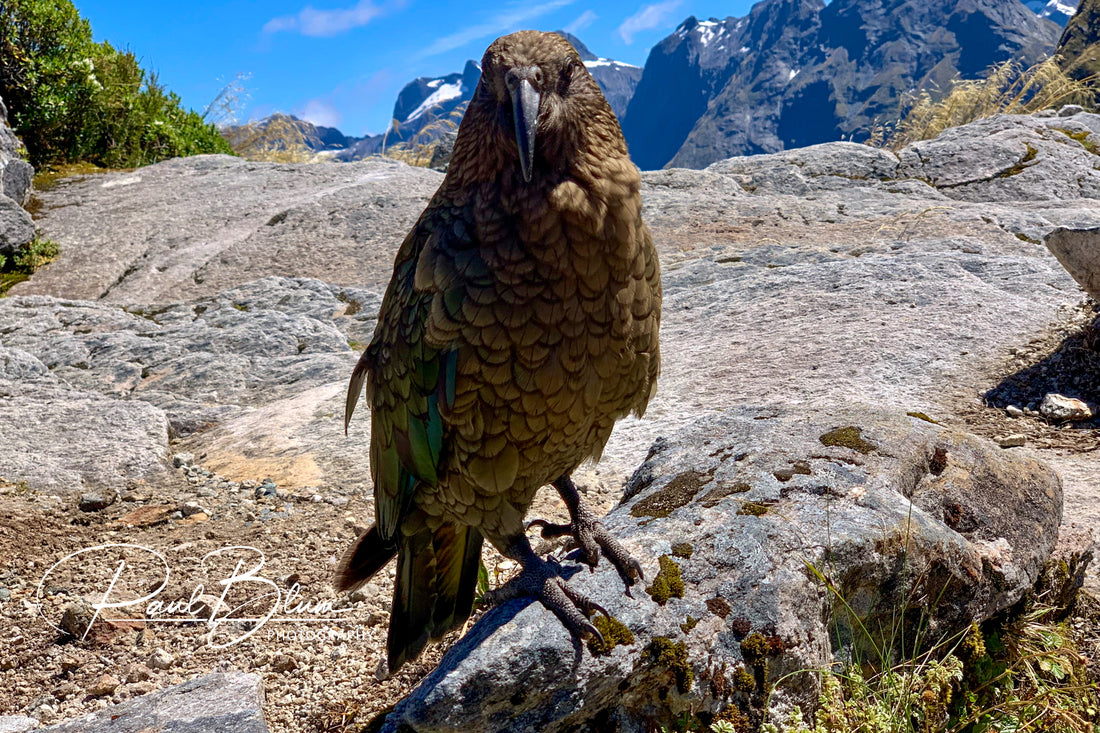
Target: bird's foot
{"points": [[592, 540], [541, 580]]}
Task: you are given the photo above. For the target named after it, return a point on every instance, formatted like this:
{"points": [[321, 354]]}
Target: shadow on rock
{"points": [[1072, 370]]}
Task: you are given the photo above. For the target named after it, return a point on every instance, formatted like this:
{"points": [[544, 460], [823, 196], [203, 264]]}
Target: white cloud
{"points": [[320, 112], [312, 22], [648, 18], [507, 20], [583, 21]]}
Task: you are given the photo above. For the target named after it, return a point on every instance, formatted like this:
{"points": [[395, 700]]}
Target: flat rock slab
{"points": [[227, 702], [195, 226], [82, 440], [108, 386], [771, 516]]}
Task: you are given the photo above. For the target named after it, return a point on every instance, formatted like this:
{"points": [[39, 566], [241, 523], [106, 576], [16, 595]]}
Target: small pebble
{"points": [[181, 460], [93, 502], [105, 685], [138, 673], [1014, 411], [191, 508], [160, 659], [1012, 441], [1059, 407], [284, 663]]}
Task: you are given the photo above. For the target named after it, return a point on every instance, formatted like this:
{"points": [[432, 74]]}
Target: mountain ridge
{"points": [[798, 72]]}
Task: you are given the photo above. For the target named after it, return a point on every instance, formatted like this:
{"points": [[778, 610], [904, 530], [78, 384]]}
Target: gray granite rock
{"points": [[1011, 158], [228, 702], [787, 172], [15, 172], [82, 441], [16, 226], [1079, 252], [193, 227], [247, 359], [772, 516], [17, 724]]}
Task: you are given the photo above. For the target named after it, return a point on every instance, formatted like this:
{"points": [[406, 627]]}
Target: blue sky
{"points": [[342, 62]]}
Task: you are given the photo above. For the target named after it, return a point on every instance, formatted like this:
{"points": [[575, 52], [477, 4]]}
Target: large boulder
{"points": [[823, 534], [1079, 252], [16, 227], [15, 172]]}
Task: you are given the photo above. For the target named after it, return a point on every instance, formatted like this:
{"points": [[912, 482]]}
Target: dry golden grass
{"points": [[279, 141], [420, 149], [1009, 89]]}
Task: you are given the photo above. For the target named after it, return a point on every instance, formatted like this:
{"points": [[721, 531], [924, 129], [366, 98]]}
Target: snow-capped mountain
{"points": [[799, 72], [1060, 11], [428, 107]]}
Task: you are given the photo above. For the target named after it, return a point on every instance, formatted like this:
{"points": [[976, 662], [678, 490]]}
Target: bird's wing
{"points": [[410, 367]]}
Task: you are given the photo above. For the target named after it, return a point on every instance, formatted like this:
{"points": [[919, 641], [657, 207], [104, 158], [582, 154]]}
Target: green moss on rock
{"points": [[753, 509], [755, 648], [678, 492], [715, 495], [847, 437], [743, 681], [614, 632], [668, 583], [674, 657], [683, 549]]}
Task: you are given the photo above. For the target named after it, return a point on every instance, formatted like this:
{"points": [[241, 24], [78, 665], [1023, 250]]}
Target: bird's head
{"points": [[542, 94]]}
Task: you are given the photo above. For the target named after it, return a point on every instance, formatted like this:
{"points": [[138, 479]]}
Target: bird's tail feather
{"points": [[369, 554], [434, 592]]}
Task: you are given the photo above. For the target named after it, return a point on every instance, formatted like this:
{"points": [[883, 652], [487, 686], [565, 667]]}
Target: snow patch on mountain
{"points": [[443, 93]]}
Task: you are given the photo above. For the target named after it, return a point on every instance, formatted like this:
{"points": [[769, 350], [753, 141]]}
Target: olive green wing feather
{"points": [[410, 367]]}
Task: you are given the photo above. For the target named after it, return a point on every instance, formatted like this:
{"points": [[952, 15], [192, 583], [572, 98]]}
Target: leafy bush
{"points": [[25, 261], [71, 99]]}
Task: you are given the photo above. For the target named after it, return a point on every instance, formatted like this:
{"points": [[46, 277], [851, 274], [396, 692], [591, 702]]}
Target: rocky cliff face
{"points": [[798, 72], [1079, 45]]}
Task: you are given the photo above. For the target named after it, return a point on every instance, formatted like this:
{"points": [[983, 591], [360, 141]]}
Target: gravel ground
{"points": [[318, 674]]}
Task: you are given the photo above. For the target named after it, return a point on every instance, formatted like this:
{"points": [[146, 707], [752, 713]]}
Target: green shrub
{"points": [[25, 261], [71, 99]]}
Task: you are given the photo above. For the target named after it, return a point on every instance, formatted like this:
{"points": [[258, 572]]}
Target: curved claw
{"points": [[550, 531], [591, 630]]}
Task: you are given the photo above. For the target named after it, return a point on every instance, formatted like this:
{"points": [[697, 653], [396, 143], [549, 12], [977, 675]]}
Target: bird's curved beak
{"points": [[525, 111]]}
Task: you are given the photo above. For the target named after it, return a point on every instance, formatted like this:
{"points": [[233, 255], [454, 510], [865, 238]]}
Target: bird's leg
{"points": [[590, 534], [540, 579]]}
